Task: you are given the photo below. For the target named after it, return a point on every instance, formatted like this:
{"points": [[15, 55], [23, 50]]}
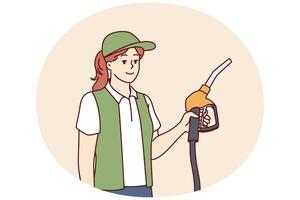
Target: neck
{"points": [[121, 87]]}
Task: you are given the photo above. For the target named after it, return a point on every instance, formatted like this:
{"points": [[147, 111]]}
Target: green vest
{"points": [[109, 161]]}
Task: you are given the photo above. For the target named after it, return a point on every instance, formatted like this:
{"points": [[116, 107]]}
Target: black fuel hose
{"points": [[193, 158], [193, 138]]}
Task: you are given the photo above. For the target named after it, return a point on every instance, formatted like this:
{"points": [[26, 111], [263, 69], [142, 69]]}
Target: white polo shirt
{"points": [[132, 143]]}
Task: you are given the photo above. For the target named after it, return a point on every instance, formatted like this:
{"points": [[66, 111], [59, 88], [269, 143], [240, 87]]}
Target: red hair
{"points": [[101, 77]]}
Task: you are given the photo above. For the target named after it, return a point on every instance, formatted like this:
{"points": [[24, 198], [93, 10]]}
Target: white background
{"points": [[29, 29]]}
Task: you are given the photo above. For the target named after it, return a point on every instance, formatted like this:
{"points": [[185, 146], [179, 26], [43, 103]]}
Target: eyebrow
{"points": [[127, 55]]}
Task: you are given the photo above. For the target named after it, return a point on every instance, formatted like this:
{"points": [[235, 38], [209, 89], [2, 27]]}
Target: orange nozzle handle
{"points": [[198, 99]]}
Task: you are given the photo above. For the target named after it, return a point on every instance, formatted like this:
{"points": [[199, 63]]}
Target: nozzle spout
{"points": [[217, 71]]}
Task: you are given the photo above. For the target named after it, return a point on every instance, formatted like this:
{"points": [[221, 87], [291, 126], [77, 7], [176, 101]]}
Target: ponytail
{"points": [[101, 77]]}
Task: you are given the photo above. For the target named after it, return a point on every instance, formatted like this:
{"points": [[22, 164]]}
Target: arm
{"points": [[163, 142], [86, 155]]}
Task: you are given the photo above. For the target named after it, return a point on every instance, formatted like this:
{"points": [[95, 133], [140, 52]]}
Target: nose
{"points": [[131, 64]]}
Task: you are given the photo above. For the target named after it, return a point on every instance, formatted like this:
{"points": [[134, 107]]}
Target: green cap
{"points": [[120, 40]]}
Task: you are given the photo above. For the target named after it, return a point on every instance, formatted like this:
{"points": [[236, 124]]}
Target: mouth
{"points": [[129, 73]]}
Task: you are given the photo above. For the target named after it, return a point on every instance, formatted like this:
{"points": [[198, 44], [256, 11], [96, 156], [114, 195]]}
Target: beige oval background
{"points": [[189, 45]]}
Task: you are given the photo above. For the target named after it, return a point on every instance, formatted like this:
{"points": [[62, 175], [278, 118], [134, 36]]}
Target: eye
{"points": [[124, 61], [136, 61]]}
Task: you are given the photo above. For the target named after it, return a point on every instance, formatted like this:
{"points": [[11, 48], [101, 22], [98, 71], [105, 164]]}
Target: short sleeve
{"points": [[154, 118], [88, 120]]}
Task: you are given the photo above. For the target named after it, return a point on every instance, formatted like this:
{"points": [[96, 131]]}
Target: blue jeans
{"points": [[137, 191]]}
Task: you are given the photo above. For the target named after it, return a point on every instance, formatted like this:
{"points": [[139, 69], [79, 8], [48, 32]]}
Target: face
{"points": [[126, 67]]}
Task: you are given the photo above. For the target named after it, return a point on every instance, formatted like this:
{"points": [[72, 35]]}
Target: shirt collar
{"points": [[118, 97]]}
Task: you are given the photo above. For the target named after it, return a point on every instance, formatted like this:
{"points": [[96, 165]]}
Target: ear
{"points": [[108, 65]]}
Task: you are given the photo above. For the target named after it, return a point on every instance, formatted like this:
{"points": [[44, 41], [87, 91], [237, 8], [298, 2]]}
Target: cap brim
{"points": [[146, 45]]}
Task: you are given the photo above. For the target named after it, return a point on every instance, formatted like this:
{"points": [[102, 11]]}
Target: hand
{"points": [[184, 122], [204, 118]]}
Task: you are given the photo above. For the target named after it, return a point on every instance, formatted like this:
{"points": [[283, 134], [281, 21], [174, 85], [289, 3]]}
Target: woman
{"points": [[118, 128]]}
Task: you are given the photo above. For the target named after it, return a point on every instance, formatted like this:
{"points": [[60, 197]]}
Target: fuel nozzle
{"points": [[200, 104]]}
